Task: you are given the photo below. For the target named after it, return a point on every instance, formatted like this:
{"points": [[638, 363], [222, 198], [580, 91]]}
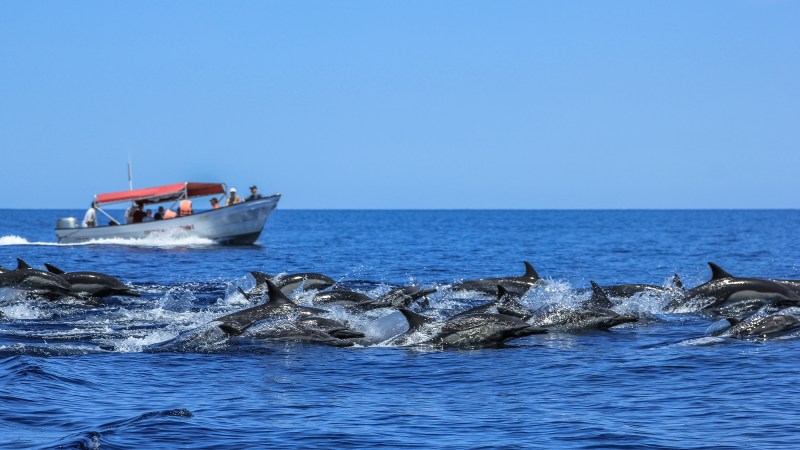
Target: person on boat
{"points": [[90, 219], [233, 198], [214, 203], [148, 216], [170, 214], [129, 213], [254, 195], [185, 208], [159, 214], [139, 214]]}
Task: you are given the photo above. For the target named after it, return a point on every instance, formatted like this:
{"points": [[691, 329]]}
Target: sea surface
{"points": [[77, 376]]}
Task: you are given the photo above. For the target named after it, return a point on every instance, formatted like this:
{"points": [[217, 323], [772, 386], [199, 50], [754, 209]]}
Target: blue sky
{"points": [[406, 104]]}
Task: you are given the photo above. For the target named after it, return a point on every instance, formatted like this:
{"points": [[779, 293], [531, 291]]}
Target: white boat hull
{"points": [[239, 224]]}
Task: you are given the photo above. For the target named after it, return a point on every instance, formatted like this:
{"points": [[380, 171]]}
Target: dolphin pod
{"points": [[36, 283], [55, 284], [744, 308]]}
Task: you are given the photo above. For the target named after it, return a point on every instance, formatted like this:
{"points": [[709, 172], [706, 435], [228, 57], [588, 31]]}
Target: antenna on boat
{"points": [[130, 175]]}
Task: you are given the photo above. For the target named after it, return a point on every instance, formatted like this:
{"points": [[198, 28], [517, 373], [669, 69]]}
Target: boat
{"points": [[239, 224]]}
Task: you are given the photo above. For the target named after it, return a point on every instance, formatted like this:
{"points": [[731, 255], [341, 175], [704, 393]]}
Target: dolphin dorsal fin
{"points": [[677, 282], [718, 272], [276, 296], [53, 269], [22, 264], [599, 297], [261, 278], [415, 321], [530, 272], [501, 292]]}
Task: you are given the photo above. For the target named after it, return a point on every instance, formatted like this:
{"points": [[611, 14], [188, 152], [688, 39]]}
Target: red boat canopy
{"points": [[161, 194]]}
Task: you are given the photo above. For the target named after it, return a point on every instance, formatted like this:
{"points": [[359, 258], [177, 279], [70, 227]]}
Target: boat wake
{"points": [[17, 240], [157, 240]]}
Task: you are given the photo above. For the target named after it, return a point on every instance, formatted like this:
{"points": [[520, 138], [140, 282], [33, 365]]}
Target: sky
{"points": [[405, 104]]}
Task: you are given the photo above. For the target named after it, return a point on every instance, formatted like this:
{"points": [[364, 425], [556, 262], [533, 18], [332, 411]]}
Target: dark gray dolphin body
{"points": [[765, 324], [595, 313], [729, 296], [505, 303], [289, 283], [36, 282], [333, 327], [291, 331], [396, 298], [629, 290], [341, 297], [94, 284], [402, 297], [514, 285], [469, 331], [278, 303], [205, 338], [793, 285]]}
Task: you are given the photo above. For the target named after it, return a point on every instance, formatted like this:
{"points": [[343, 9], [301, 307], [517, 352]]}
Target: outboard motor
{"points": [[67, 222]]}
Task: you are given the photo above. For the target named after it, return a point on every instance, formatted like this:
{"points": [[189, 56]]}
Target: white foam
{"points": [[137, 344], [154, 240], [25, 311], [13, 240]]}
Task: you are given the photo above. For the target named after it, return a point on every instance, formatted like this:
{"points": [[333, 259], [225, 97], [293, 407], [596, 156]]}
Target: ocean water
{"points": [[75, 376]]}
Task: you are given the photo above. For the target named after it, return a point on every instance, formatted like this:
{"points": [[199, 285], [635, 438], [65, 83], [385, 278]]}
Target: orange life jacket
{"points": [[170, 214], [185, 208]]}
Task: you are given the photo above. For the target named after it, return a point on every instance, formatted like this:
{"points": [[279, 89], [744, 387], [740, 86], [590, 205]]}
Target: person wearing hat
{"points": [[254, 195], [233, 198]]}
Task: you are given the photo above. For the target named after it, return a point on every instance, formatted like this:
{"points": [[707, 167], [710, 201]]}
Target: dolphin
{"points": [[205, 338], [291, 331], [341, 297], [765, 324], [629, 290], [396, 298], [726, 295], [94, 284], [290, 283], [505, 303], [401, 297], [333, 327], [594, 313], [36, 282], [278, 303], [793, 285], [469, 331], [515, 285]]}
